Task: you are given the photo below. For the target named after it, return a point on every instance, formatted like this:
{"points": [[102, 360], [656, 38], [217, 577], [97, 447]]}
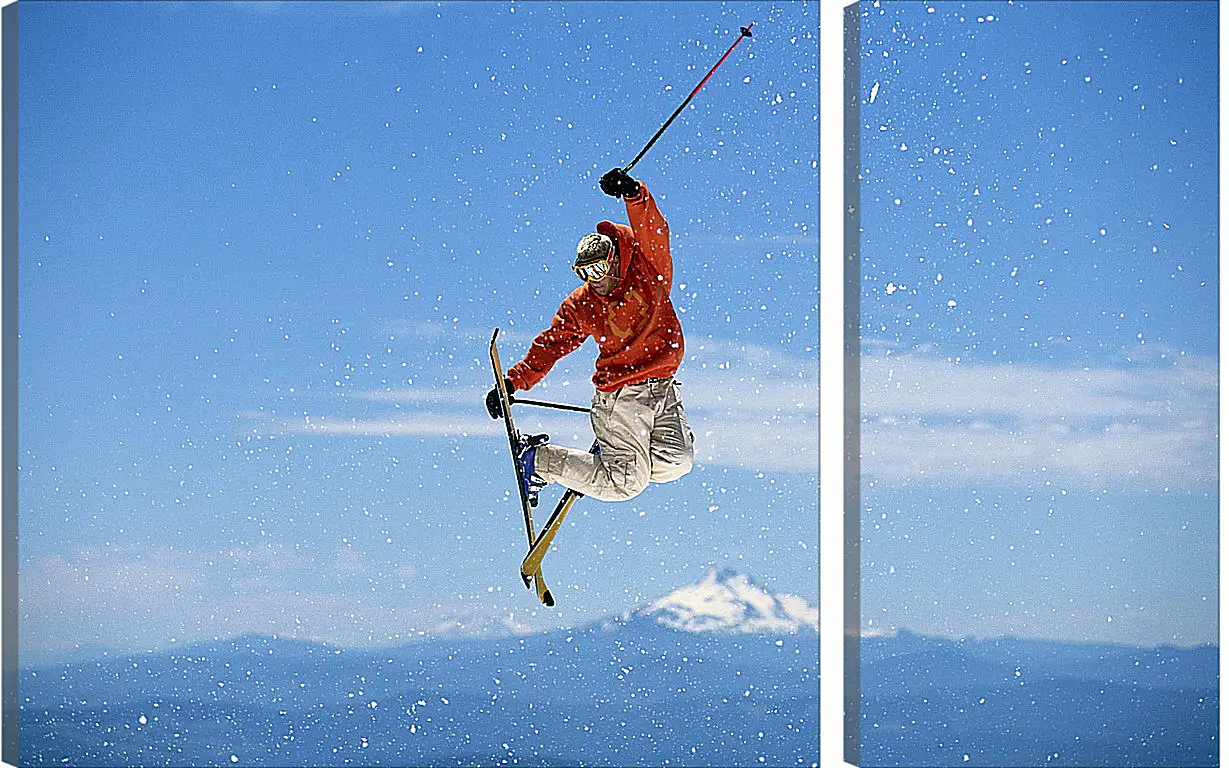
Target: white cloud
{"points": [[1150, 423], [750, 406], [100, 596], [410, 395], [133, 599], [417, 424]]}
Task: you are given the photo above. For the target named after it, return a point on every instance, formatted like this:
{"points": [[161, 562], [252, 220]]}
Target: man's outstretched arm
{"points": [[563, 337], [647, 223]]}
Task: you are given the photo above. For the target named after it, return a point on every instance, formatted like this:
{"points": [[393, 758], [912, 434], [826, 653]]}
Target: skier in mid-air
{"points": [[640, 430]]}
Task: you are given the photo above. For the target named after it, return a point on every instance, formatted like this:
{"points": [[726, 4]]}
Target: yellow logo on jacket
{"points": [[629, 316]]}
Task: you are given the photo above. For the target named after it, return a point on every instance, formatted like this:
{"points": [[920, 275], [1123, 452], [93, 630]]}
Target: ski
{"points": [[533, 561], [538, 548], [533, 577]]}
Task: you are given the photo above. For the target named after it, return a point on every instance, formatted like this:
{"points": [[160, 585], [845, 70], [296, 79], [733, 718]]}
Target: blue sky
{"points": [[263, 247], [1039, 320]]}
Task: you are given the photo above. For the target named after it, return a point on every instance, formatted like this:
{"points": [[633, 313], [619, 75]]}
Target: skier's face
{"points": [[605, 285]]}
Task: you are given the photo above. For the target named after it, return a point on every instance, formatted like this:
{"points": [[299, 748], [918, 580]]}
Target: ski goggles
{"points": [[591, 273]]}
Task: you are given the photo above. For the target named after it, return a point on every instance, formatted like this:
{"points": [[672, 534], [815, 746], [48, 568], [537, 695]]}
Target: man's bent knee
{"points": [[665, 472], [626, 482], [619, 493]]}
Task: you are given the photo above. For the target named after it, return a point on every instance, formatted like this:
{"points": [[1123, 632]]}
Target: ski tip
{"points": [[528, 580], [548, 599]]}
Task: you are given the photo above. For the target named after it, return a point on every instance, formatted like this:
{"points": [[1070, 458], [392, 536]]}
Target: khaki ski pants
{"points": [[643, 436]]}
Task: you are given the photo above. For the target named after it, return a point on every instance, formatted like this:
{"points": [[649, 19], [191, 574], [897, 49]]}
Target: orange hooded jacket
{"points": [[637, 332]]}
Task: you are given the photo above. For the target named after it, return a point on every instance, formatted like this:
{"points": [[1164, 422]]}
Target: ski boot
{"points": [[525, 454]]}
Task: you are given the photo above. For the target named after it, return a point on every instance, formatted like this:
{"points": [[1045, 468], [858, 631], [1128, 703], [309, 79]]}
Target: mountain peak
{"points": [[723, 576], [725, 601]]}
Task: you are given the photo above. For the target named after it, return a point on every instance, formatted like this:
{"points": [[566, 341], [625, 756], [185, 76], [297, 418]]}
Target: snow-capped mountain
{"points": [[730, 603]]}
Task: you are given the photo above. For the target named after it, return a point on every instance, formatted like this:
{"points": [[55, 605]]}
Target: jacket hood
{"points": [[622, 235]]}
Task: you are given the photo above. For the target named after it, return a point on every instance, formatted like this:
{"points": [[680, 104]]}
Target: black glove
{"points": [[617, 183], [493, 404]]}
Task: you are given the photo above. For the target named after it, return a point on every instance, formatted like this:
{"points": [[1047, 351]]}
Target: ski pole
{"points": [[578, 408], [743, 32]]}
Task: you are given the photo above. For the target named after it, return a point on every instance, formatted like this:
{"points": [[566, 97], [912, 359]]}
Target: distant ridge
{"points": [[630, 693]]}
